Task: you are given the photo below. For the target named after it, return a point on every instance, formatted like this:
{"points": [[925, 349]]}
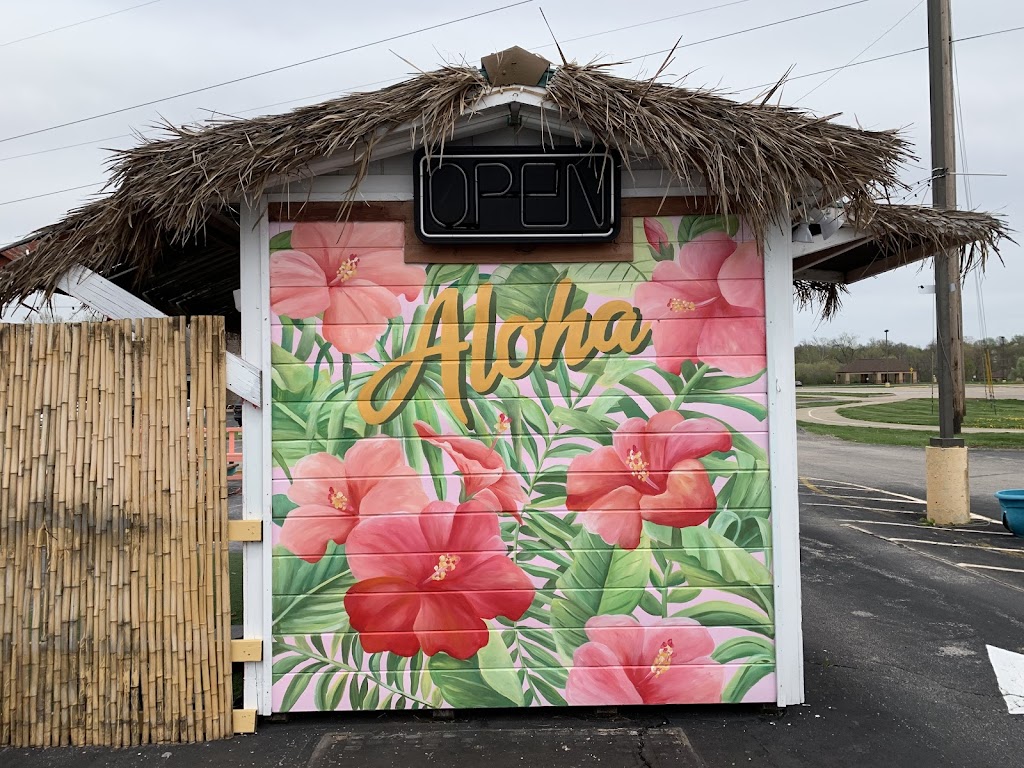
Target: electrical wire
{"points": [[751, 88], [750, 29], [642, 24], [50, 194], [78, 23], [881, 58], [268, 71], [864, 50]]}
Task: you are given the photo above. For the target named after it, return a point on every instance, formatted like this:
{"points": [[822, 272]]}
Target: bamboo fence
{"points": [[114, 605]]}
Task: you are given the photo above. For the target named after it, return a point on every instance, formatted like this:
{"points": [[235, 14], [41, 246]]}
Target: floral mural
{"points": [[519, 484]]}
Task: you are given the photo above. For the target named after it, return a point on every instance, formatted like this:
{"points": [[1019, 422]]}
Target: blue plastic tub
{"points": [[1012, 502]]}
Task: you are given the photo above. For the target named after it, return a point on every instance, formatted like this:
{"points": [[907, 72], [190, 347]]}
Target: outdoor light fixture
{"points": [[237, 294], [830, 223], [802, 233]]}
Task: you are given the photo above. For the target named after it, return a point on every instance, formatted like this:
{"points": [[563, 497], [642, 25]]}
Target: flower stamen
{"points": [[347, 269], [681, 305], [663, 659], [445, 565], [637, 466], [337, 499]]}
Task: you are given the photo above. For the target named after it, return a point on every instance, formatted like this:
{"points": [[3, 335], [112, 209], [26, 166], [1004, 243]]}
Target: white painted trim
{"points": [[335, 188], [535, 96], [116, 303], [782, 461], [254, 266]]}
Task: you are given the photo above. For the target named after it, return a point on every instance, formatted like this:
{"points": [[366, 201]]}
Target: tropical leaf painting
{"points": [[521, 484]]}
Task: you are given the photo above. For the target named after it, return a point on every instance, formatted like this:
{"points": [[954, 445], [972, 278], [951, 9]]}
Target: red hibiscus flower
{"points": [[650, 472], [352, 273], [483, 471], [428, 581], [717, 286], [333, 494], [668, 662]]}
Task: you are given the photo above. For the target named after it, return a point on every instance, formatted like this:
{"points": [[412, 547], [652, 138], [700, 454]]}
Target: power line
{"points": [[752, 29], [643, 24], [881, 58], [66, 146], [50, 194], [268, 71], [78, 23], [382, 82], [864, 50], [743, 90]]}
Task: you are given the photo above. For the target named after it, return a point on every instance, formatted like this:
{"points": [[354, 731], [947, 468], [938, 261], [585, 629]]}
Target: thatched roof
{"points": [[174, 200]]}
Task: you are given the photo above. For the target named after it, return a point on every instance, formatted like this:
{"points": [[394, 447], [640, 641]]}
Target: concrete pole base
{"points": [[948, 487]]}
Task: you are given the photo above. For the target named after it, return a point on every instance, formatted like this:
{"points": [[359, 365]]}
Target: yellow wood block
{"points": [[245, 530], [244, 720], [246, 650]]}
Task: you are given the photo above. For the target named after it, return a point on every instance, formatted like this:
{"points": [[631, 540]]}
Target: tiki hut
{"points": [[517, 360]]}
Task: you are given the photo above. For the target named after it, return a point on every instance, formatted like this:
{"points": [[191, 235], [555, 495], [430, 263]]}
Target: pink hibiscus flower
{"points": [[356, 288], [486, 478], [650, 472], [623, 663], [718, 287], [333, 494], [428, 581]]}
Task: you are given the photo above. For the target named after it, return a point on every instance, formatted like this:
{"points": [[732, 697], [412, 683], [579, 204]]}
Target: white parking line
{"points": [[914, 512], [954, 544], [926, 527], [990, 567], [865, 488], [1009, 669], [872, 498]]}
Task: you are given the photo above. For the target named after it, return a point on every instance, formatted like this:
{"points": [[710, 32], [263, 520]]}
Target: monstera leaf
{"points": [[529, 291]]}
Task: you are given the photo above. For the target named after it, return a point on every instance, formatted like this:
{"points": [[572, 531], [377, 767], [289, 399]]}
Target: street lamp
{"points": [[887, 341]]}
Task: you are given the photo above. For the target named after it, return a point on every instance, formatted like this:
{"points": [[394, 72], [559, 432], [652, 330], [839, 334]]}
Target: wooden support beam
{"points": [[878, 266], [244, 720], [115, 302], [246, 650], [812, 254], [820, 275], [245, 530]]}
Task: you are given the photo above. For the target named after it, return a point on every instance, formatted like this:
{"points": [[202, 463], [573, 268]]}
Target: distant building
{"points": [[876, 371]]}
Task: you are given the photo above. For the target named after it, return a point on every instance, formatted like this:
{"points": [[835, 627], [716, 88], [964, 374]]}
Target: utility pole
{"points": [[946, 457]]}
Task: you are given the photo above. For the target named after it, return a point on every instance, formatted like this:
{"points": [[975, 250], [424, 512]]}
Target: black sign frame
{"points": [[586, 181]]}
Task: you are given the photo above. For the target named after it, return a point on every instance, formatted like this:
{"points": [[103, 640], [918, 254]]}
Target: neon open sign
{"points": [[506, 195]]}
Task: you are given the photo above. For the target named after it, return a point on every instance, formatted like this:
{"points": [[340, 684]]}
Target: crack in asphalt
{"points": [[641, 745]]}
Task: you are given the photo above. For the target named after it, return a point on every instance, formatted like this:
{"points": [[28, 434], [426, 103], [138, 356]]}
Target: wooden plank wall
{"points": [[114, 604]]}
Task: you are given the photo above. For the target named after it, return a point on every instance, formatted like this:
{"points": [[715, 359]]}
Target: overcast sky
{"points": [[167, 47]]}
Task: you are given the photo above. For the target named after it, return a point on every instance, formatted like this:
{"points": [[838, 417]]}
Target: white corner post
{"points": [[778, 289], [256, 467]]}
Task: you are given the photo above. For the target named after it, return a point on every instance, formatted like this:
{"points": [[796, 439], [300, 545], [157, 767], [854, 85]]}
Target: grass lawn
{"points": [[986, 414], [814, 402], [235, 571], [235, 584], [883, 436], [849, 394]]}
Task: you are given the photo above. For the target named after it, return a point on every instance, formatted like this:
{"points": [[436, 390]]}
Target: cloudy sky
{"points": [[166, 47]]}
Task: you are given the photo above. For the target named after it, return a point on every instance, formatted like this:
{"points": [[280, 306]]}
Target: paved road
{"points": [[828, 414], [896, 622]]}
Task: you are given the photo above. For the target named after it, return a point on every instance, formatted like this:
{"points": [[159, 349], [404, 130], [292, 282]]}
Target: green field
{"points": [[850, 394], [984, 414], [918, 438]]}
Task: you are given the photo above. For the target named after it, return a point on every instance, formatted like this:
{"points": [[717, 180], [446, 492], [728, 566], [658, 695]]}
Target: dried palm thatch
{"points": [[753, 157], [905, 234], [909, 229]]}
